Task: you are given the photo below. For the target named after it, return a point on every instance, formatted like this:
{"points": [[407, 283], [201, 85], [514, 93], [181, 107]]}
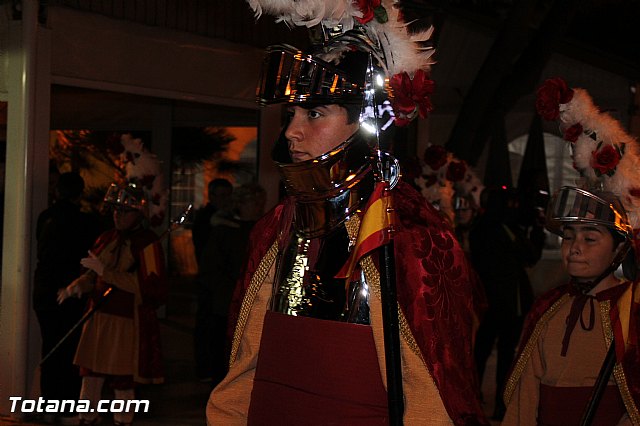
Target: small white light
{"points": [[368, 127], [379, 80]]}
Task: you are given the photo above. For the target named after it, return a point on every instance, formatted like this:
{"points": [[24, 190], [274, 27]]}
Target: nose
{"points": [[294, 133], [575, 247]]}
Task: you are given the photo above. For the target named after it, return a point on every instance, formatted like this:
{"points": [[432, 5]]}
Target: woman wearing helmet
{"points": [[569, 330]]}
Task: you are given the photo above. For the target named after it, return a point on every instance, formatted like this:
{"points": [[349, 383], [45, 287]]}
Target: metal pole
{"points": [[391, 329], [600, 386]]}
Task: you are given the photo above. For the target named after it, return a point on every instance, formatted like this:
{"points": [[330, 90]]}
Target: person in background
{"points": [[219, 197], [126, 283], [501, 252], [223, 258], [219, 192], [64, 234], [566, 335]]}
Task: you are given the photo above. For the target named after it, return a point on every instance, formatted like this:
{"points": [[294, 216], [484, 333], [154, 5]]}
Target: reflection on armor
{"points": [[307, 286], [330, 188], [328, 191]]}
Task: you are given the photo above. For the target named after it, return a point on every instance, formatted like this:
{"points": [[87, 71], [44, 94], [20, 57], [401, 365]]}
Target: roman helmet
{"points": [[606, 157], [140, 186], [364, 60]]}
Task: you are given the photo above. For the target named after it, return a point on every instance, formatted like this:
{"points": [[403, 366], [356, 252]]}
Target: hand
{"points": [[92, 262], [73, 289]]}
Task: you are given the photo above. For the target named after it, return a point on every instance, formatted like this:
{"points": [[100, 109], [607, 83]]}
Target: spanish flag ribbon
{"points": [[623, 320], [375, 229], [151, 260]]}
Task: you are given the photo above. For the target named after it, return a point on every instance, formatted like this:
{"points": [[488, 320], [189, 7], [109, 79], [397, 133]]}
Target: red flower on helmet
{"points": [[605, 159], [411, 96], [435, 156], [550, 95], [573, 133], [456, 171], [368, 9]]}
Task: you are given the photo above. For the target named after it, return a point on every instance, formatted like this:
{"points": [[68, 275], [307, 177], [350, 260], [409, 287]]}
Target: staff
{"points": [[173, 224]]}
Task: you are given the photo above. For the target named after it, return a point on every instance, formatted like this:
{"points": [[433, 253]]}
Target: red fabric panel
{"points": [[317, 372], [564, 406]]}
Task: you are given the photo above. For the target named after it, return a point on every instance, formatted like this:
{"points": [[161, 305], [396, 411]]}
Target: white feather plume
{"points": [[403, 51], [600, 129]]}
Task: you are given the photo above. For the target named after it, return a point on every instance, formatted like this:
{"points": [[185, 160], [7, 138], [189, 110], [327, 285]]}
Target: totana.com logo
{"points": [[41, 405]]}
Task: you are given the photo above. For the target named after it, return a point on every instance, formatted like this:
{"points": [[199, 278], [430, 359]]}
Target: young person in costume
{"points": [[571, 329], [126, 283], [308, 344]]}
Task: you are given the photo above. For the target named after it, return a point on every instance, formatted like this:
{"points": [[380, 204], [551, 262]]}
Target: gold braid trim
{"points": [[373, 279], [247, 302], [618, 372], [521, 363]]}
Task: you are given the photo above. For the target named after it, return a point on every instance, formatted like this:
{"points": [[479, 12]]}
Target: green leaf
{"points": [[380, 13]]}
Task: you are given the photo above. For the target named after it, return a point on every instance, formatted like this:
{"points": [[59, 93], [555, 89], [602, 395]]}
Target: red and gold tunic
{"points": [[547, 388], [122, 337], [437, 312]]}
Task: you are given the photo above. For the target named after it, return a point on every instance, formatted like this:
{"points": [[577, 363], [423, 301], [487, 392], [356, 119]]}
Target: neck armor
{"points": [[327, 189]]}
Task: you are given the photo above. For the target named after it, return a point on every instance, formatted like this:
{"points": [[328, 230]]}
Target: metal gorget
{"points": [[330, 188], [306, 285]]}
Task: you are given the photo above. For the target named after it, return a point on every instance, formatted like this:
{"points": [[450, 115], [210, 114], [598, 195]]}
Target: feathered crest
{"points": [[404, 56], [443, 177], [604, 154], [142, 168]]}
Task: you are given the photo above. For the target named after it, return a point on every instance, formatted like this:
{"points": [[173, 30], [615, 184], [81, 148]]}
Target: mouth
{"points": [[299, 155]]}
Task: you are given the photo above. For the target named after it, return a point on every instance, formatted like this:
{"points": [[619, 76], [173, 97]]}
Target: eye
{"points": [[313, 114], [290, 113]]}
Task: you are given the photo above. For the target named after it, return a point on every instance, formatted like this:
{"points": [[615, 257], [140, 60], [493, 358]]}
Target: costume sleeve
{"points": [[120, 270], [229, 402], [522, 409], [625, 421], [422, 402]]}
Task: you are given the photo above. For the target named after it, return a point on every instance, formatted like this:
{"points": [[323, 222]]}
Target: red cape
{"points": [[154, 290], [436, 288], [631, 358]]}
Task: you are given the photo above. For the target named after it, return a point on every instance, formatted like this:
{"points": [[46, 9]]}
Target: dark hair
{"points": [[218, 183], [617, 237], [70, 186]]}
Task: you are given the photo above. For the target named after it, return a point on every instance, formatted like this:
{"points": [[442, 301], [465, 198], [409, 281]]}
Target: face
{"points": [[125, 219], [313, 132], [220, 197], [587, 250]]}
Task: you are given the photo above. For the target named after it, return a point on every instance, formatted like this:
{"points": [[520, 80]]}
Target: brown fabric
{"points": [[316, 381], [564, 406]]}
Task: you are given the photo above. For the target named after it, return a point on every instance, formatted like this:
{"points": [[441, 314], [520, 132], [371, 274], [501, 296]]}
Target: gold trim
{"points": [[521, 363], [254, 287], [373, 278], [618, 372]]}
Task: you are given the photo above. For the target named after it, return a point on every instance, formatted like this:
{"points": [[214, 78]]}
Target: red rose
{"points": [[367, 7], [605, 160], [456, 171], [550, 95], [573, 133], [411, 96], [435, 156]]}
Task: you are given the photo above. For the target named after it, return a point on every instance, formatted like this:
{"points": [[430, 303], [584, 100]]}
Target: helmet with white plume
{"points": [[141, 186], [605, 156]]}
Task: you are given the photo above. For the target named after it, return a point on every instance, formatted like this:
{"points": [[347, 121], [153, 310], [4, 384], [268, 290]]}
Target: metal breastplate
{"points": [[306, 283], [327, 191]]}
